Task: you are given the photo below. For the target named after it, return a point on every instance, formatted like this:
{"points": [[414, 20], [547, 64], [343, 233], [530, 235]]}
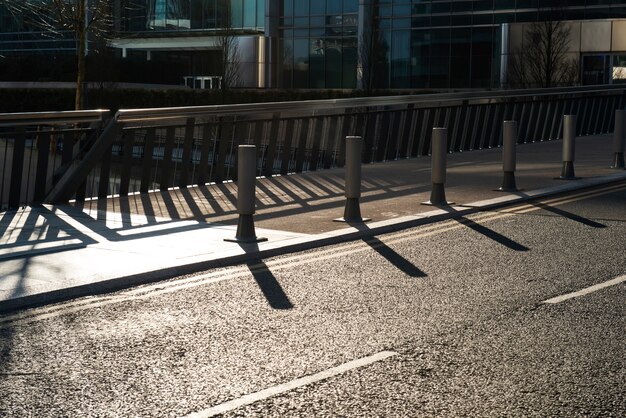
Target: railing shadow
{"points": [[215, 205]]}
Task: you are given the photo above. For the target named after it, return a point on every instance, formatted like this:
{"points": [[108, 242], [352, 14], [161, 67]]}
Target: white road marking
{"points": [[591, 289], [294, 384]]}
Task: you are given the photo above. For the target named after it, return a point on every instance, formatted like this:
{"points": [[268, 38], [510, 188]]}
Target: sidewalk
{"points": [[60, 252]]}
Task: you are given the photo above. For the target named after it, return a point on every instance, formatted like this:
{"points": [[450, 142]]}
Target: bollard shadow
{"points": [[490, 233], [269, 285], [389, 254], [568, 215], [267, 282], [483, 230]]}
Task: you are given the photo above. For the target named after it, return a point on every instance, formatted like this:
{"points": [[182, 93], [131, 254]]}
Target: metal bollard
{"points": [[618, 139], [352, 211], [569, 138], [438, 167], [509, 145], [246, 195]]}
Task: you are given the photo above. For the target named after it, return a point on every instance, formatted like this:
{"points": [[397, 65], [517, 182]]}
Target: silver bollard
{"points": [[352, 211], [438, 167], [569, 139], [618, 139], [509, 145], [246, 195]]}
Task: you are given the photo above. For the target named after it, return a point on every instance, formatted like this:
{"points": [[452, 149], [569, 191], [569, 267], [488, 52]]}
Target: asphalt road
{"points": [[456, 309]]}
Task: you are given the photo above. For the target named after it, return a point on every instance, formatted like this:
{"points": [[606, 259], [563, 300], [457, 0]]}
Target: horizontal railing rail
{"points": [[141, 150]]}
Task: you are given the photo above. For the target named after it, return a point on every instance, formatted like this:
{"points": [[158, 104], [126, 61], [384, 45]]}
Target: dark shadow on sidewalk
{"points": [[568, 215], [389, 254]]}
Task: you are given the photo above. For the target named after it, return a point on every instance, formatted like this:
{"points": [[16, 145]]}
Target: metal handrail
{"points": [[52, 118], [329, 106]]}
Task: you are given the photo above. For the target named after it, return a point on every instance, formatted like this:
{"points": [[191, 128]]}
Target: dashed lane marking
{"points": [[586, 291], [289, 386]]}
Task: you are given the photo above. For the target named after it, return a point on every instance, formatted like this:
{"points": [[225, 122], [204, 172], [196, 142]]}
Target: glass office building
{"points": [[418, 43], [311, 44]]}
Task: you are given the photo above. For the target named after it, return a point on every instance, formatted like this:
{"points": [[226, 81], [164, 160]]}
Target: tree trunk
{"points": [[80, 73]]}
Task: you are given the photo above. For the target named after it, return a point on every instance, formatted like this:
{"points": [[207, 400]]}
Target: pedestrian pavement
{"points": [[55, 253]]}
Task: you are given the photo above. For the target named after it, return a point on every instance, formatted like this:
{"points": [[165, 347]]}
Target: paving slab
{"points": [[54, 253]]}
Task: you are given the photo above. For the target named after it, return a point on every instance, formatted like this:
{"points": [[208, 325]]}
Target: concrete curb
{"points": [[252, 252]]}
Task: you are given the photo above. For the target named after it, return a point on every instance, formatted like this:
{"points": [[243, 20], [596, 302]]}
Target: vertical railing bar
{"points": [[455, 140], [476, 118], [166, 162], [43, 155], [536, 122], [383, 134], [413, 115], [318, 130], [105, 174], [368, 135], [288, 143], [128, 138], [15, 190], [146, 164], [483, 138], [429, 118], [205, 149], [302, 141], [272, 143], [403, 134], [608, 120], [183, 180], [496, 126], [330, 143], [337, 136], [28, 170]]}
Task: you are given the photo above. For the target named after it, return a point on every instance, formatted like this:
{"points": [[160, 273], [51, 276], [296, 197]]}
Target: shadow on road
{"points": [[272, 290], [490, 233], [568, 215], [394, 258]]}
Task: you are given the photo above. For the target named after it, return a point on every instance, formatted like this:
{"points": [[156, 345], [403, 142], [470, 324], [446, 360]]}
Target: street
{"points": [[450, 318]]}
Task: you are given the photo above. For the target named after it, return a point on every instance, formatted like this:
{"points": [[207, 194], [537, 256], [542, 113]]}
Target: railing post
{"points": [[438, 167], [352, 211], [246, 195], [618, 139], [509, 145], [569, 138]]}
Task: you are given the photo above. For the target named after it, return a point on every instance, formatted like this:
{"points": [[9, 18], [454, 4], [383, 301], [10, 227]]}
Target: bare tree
{"points": [[543, 59], [81, 18], [229, 49]]}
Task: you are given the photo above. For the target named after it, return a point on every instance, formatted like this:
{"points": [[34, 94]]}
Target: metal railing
{"points": [[154, 149], [37, 147]]}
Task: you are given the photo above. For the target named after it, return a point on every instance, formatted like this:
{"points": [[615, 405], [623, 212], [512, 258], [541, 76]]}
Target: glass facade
{"points": [[345, 43], [318, 43], [411, 44], [194, 15]]}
